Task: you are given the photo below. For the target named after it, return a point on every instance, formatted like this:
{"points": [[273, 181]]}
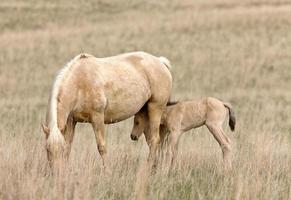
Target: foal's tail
{"points": [[232, 119], [166, 62]]}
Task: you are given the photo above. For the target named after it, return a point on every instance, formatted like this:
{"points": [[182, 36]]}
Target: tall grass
{"points": [[235, 51]]}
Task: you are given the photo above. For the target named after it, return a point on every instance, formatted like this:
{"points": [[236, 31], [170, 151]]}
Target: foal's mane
{"points": [[171, 103]]}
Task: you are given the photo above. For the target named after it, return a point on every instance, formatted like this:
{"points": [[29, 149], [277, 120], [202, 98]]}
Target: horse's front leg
{"points": [[163, 142], [69, 135], [173, 147], [99, 130]]}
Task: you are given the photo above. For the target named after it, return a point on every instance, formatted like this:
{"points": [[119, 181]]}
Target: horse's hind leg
{"points": [[221, 130], [224, 135], [99, 130], [219, 135], [172, 150], [154, 112]]}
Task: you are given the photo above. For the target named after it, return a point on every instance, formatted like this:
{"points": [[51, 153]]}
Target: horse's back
{"points": [[142, 75], [214, 104], [216, 111], [124, 83], [194, 114]]}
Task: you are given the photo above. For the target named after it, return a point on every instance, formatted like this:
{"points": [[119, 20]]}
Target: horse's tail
{"points": [[232, 119], [166, 62]]}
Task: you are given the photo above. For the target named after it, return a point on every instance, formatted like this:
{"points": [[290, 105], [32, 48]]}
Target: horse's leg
{"points": [[220, 121], [172, 149], [99, 130], [218, 134], [174, 123], [163, 137], [154, 112], [228, 148], [174, 146], [69, 134], [224, 135]]}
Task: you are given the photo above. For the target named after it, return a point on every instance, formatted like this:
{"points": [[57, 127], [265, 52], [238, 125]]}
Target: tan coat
{"points": [[182, 116], [106, 90]]}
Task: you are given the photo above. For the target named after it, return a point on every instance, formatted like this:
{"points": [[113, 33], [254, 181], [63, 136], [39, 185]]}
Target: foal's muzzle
{"points": [[133, 137]]}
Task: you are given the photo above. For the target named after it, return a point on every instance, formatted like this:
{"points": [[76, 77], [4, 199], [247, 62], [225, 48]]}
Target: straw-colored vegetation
{"points": [[238, 51]]}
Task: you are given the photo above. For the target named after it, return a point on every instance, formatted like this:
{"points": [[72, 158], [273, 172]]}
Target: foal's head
{"points": [[140, 125]]}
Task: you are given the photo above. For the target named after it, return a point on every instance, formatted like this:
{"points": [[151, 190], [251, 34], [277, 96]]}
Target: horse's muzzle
{"points": [[133, 137]]}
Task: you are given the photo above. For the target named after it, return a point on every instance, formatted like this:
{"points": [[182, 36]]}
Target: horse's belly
{"points": [[125, 99]]}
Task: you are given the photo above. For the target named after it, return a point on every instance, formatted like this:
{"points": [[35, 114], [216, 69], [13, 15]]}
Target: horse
{"points": [[103, 91], [182, 116]]}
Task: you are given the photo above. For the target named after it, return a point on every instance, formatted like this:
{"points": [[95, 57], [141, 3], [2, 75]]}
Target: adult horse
{"points": [[102, 91]]}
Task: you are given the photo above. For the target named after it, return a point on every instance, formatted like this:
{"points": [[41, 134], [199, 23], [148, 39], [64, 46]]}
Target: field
{"points": [[238, 51]]}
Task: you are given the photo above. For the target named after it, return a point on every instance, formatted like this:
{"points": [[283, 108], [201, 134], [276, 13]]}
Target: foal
{"points": [[182, 116]]}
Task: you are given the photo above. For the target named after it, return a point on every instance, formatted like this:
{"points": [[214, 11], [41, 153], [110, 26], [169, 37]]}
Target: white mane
{"points": [[55, 134]]}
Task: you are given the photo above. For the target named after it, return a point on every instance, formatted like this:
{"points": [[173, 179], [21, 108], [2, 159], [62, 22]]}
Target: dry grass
{"points": [[236, 51]]}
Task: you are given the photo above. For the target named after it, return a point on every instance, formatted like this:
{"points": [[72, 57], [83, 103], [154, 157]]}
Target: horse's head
{"points": [[55, 146], [139, 125]]}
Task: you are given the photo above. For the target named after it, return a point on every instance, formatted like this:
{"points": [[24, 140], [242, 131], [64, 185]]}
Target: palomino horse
{"points": [[180, 117], [102, 91]]}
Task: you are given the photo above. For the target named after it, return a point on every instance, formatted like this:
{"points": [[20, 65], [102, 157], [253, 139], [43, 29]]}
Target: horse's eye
{"points": [[136, 123]]}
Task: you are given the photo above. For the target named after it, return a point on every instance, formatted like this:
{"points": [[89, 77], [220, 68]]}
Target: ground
{"points": [[236, 51]]}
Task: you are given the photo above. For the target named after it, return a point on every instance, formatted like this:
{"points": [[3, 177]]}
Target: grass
{"points": [[235, 51]]}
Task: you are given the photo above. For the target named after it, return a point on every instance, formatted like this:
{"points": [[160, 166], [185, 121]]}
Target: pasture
{"points": [[237, 51]]}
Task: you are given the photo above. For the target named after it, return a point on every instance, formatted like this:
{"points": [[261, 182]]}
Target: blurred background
{"points": [[237, 51]]}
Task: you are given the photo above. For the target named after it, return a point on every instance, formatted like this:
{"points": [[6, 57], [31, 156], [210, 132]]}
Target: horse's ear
{"points": [[45, 129]]}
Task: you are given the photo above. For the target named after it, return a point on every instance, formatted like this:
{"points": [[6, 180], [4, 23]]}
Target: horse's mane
{"points": [[55, 133]]}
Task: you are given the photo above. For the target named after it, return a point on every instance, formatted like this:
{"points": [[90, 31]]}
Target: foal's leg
{"points": [[228, 148], [219, 124], [163, 142], [224, 135], [173, 147], [99, 130], [174, 124], [217, 132]]}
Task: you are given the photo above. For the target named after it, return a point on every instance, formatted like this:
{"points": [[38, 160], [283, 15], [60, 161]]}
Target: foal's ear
{"points": [[45, 129]]}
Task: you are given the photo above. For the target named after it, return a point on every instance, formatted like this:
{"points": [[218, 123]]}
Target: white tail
{"points": [[166, 62]]}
